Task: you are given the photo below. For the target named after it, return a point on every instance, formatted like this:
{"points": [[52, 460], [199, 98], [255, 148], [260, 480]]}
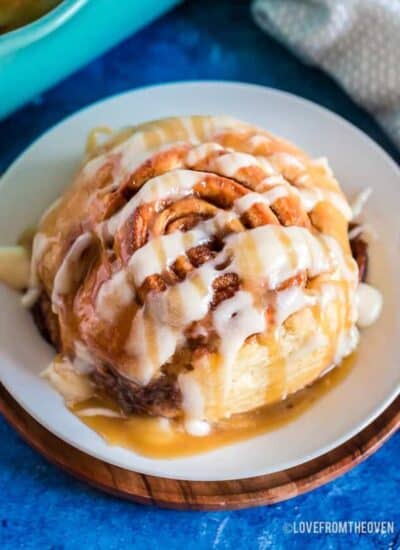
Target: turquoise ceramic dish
{"points": [[37, 56]]}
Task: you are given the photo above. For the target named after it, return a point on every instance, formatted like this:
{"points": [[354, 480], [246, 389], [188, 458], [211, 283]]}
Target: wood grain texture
{"points": [[195, 495]]}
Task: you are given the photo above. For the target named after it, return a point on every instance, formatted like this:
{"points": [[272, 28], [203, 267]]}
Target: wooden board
{"points": [[202, 495]]}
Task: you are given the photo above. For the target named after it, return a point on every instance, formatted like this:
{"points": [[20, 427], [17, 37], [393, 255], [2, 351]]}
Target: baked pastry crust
{"points": [[198, 266]]}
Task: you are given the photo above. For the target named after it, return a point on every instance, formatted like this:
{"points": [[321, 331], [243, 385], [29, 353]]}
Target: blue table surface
{"points": [[42, 507]]}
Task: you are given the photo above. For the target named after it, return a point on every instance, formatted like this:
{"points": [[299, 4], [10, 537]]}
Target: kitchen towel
{"points": [[356, 41]]}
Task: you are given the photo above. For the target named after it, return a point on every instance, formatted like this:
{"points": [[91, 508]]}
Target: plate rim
{"points": [[372, 415], [182, 494]]}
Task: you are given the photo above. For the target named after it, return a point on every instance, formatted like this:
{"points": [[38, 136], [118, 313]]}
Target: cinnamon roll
{"points": [[199, 267]]}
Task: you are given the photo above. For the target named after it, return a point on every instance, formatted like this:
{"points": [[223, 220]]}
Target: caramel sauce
{"points": [[289, 249], [157, 438], [199, 284], [17, 13], [151, 340], [26, 239], [160, 252], [199, 126], [161, 438], [152, 139], [277, 390], [247, 257]]}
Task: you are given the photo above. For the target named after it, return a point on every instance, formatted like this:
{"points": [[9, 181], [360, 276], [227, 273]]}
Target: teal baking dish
{"points": [[40, 54]]}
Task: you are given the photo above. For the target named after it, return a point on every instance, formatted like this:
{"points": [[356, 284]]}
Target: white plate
{"points": [[39, 175]]}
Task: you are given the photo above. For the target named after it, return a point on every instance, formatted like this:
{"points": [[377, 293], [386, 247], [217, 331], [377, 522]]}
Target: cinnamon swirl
{"points": [[198, 267]]}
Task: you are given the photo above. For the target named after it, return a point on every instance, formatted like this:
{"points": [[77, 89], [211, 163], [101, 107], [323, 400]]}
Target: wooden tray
{"points": [[195, 495]]}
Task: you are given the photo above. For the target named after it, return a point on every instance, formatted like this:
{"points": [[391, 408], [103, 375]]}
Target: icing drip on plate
{"points": [[369, 305]]}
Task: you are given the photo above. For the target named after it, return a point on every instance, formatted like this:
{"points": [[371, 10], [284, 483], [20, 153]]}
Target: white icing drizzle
{"points": [[363, 229], [135, 149], [201, 152], [150, 344], [324, 163], [187, 301], [290, 301], [369, 305], [304, 179], [160, 252], [30, 297], [217, 223], [83, 361], [69, 272], [276, 193], [346, 339], [131, 160], [39, 246], [192, 135], [314, 342], [290, 166], [164, 424], [257, 140], [193, 405], [179, 183], [114, 295], [219, 124], [196, 427], [50, 209], [347, 265], [235, 320], [346, 344], [172, 185], [263, 257], [247, 201], [276, 179], [277, 253], [229, 164], [257, 254], [70, 384], [360, 201], [154, 257], [268, 197], [311, 196]]}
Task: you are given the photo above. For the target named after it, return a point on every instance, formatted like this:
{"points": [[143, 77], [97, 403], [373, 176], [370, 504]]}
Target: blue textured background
{"points": [[40, 506]]}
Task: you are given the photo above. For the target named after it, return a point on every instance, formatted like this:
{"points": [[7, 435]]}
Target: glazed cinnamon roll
{"points": [[198, 267]]}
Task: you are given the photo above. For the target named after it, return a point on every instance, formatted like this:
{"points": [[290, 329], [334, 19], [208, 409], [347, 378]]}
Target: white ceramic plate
{"points": [[40, 174]]}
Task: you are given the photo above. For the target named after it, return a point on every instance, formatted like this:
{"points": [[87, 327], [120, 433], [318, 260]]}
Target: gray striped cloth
{"points": [[356, 41]]}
